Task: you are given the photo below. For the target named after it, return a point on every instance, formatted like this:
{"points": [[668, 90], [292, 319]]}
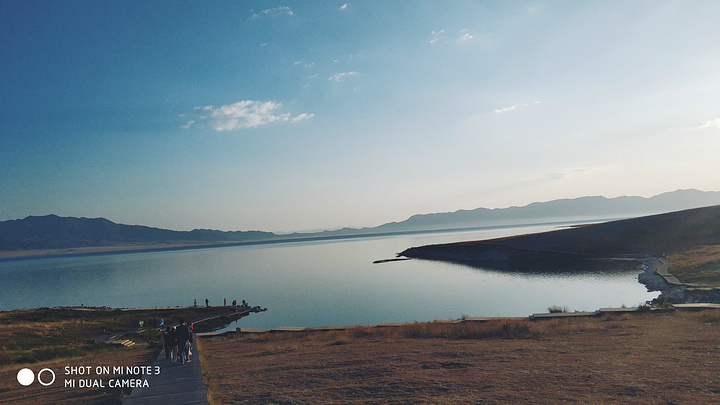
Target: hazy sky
{"points": [[298, 115]]}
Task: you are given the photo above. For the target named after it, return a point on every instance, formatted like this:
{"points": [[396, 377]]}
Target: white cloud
{"points": [[188, 125], [340, 76], [515, 107], [465, 36], [305, 65], [436, 36], [301, 117], [563, 174], [246, 114], [714, 123], [273, 12], [345, 6], [506, 109]]}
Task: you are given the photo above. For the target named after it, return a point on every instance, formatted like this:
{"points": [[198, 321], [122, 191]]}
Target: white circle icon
{"points": [[43, 382], [25, 377]]}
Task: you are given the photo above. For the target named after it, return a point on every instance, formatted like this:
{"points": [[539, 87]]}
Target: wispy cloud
{"points": [[188, 124], [340, 76], [345, 6], [246, 114], [436, 36], [465, 35], [714, 123], [562, 174], [301, 117], [272, 12], [464, 38], [305, 65], [514, 107]]}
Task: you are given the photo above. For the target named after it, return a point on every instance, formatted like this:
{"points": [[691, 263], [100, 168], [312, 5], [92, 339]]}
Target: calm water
{"points": [[313, 283]]}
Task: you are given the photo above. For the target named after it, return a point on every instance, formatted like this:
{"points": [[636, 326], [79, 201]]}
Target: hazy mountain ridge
{"points": [[54, 232], [594, 206]]}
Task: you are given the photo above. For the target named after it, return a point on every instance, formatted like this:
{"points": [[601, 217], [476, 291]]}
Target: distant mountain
{"points": [[572, 209], [54, 232]]}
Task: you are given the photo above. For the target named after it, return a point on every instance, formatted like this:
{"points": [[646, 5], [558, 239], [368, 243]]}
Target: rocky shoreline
{"points": [[656, 278]]}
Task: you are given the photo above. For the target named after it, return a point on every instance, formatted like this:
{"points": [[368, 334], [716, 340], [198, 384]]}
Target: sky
{"points": [[295, 115]]}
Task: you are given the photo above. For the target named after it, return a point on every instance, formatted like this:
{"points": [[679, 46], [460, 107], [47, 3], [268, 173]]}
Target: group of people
{"points": [[234, 303], [178, 342]]}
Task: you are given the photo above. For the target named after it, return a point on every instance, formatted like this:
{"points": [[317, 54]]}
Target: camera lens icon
{"points": [[26, 377]]}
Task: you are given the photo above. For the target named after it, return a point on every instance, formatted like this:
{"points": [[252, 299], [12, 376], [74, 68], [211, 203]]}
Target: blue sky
{"points": [[290, 115]]}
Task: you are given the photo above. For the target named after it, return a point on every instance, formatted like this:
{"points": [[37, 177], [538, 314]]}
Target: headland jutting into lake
{"points": [[598, 247]]}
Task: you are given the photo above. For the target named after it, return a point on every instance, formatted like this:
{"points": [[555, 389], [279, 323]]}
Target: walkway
{"points": [[176, 384], [663, 271]]}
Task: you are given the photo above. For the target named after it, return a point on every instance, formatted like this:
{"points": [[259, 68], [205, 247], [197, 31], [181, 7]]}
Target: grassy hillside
{"points": [[678, 234]]}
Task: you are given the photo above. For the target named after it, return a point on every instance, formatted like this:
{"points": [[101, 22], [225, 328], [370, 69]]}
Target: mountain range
{"points": [[54, 232]]}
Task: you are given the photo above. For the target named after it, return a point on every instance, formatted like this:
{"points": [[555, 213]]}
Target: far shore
{"points": [[162, 246], [98, 250]]}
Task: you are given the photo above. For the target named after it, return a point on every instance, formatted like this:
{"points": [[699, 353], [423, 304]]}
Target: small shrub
{"points": [[341, 340], [557, 309]]}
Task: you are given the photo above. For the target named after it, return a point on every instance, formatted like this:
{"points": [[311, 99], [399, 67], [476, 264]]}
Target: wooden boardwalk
{"points": [[176, 384]]}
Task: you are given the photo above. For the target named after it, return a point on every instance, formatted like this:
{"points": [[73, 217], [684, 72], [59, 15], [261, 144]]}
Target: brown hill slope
{"points": [[654, 235]]}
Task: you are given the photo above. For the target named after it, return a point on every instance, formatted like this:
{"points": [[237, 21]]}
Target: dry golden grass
{"points": [[634, 359], [700, 265], [13, 393], [55, 338]]}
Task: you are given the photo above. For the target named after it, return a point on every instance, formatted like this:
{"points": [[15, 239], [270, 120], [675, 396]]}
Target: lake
{"points": [[318, 283]]}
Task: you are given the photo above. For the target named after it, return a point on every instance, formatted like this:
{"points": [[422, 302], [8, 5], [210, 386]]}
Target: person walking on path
{"points": [[184, 340], [170, 338], [207, 303]]}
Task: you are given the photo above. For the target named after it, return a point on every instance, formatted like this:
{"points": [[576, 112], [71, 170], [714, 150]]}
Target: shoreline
{"points": [[12, 255], [656, 277]]}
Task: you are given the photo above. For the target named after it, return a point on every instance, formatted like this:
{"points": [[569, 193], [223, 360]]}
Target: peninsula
{"points": [[690, 239]]}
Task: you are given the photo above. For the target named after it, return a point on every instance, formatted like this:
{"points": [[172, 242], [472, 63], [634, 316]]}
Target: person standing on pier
{"points": [[207, 303]]}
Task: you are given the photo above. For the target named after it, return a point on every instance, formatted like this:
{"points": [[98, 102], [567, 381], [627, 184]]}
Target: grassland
{"points": [[56, 337], [649, 358], [699, 265]]}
